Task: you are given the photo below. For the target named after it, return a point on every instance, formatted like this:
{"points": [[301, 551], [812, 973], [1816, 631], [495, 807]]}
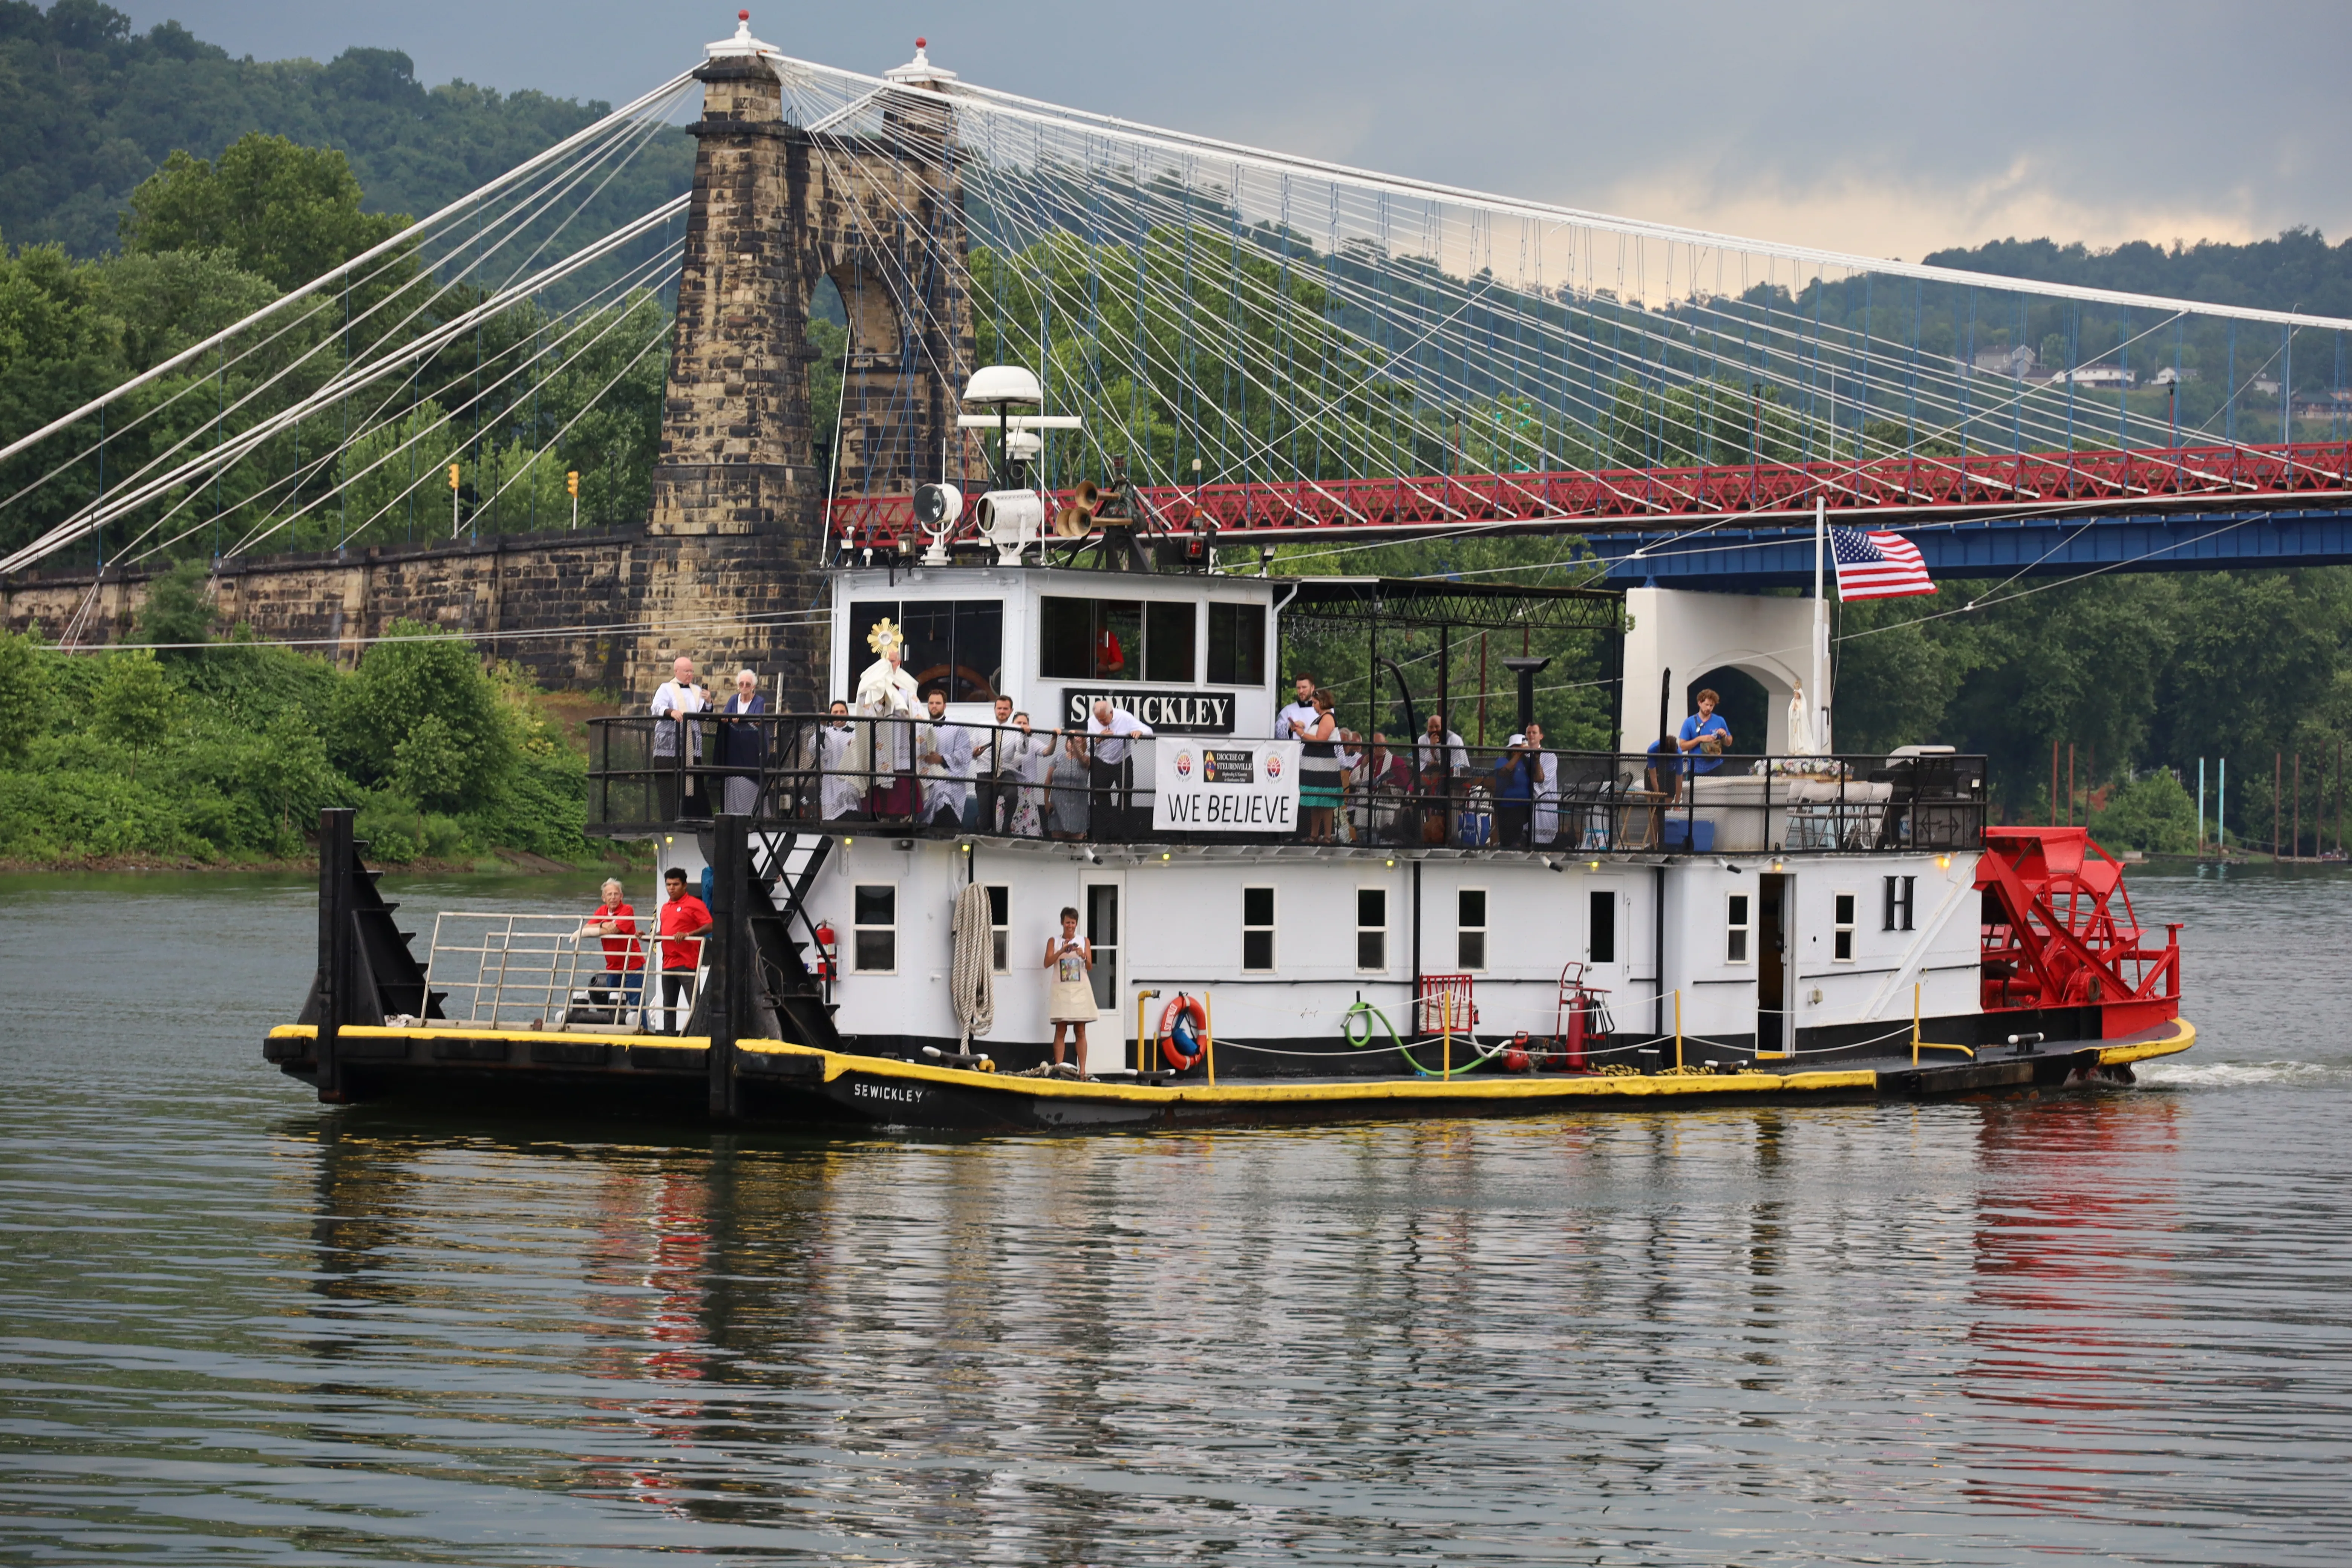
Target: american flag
{"points": [[1877, 565]]}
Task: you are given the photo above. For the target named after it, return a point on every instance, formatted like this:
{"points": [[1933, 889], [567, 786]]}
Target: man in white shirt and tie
{"points": [[945, 753], [1111, 774], [1299, 717]]}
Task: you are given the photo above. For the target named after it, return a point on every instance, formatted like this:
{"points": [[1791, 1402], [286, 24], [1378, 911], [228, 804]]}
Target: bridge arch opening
{"points": [[1745, 706]]}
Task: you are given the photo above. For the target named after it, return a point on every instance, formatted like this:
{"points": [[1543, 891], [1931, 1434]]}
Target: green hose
{"points": [[1367, 1013]]}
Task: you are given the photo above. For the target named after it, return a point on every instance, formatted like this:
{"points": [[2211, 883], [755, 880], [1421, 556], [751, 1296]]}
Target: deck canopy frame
{"points": [[1446, 606], [1434, 604]]}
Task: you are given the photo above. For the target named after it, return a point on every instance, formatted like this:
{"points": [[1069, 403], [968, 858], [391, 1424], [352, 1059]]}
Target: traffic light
{"points": [[453, 476], [572, 481]]}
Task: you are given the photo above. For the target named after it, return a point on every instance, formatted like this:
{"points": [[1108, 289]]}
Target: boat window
{"points": [[1841, 907], [1090, 639], [1257, 929], [1470, 929], [1734, 924], [1237, 645], [874, 924], [1601, 926], [1000, 926], [1372, 928], [953, 645], [1167, 641], [1897, 908]]}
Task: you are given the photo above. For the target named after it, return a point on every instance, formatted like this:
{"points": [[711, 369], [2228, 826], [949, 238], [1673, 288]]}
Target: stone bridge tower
{"points": [[732, 569]]}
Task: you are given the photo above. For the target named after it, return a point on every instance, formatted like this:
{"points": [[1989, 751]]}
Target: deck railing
{"points": [[513, 971], [845, 774]]}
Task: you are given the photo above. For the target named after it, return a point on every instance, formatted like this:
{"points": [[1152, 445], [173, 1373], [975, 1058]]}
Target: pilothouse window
{"points": [[1237, 645], [953, 645], [1090, 639], [1167, 641]]}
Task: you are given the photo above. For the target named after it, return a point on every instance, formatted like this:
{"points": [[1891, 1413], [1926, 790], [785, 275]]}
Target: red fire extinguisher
{"points": [[1575, 1039], [826, 951]]}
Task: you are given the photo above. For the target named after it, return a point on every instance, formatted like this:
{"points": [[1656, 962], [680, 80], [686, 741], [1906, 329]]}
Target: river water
{"points": [[241, 1329]]}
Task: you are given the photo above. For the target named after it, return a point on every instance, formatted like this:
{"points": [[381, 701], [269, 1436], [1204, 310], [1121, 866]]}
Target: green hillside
{"points": [[87, 109]]}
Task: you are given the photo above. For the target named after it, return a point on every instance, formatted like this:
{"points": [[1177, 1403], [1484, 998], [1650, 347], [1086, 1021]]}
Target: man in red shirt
{"points": [[625, 954], [683, 916]]}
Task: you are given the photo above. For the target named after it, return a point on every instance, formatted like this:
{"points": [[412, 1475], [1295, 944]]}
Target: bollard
{"points": [[1142, 1061], [1209, 1038], [1915, 1023]]}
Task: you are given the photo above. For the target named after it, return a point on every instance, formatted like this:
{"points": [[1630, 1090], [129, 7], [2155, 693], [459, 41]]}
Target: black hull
{"points": [[789, 1087]]}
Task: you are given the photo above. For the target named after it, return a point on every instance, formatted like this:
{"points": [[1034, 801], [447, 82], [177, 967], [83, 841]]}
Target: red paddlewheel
{"points": [[2058, 930]]}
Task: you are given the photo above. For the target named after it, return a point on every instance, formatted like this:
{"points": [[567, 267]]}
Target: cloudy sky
{"points": [[1890, 129]]}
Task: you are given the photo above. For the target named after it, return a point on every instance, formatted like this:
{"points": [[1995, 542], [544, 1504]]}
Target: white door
{"points": [[1102, 920], [1608, 943]]}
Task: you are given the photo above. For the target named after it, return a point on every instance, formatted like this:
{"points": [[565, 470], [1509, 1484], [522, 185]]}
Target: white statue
{"points": [[1801, 740]]}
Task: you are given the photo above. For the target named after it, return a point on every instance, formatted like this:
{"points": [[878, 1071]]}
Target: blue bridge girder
{"points": [[1737, 559]]}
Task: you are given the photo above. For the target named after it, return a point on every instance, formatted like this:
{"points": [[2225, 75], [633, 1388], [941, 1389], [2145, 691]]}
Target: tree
{"points": [[21, 693], [285, 212], [176, 610], [420, 671], [135, 701], [429, 767]]}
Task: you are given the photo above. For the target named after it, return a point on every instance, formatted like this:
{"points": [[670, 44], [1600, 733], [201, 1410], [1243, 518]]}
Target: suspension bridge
{"points": [[1269, 348]]}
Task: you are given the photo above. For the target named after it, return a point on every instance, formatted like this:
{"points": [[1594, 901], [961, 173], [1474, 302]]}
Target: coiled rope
{"points": [[971, 972]]}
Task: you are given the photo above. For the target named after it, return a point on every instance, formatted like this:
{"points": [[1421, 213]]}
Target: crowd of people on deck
{"points": [[887, 754]]}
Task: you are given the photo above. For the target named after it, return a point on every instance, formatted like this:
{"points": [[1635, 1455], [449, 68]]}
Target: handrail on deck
{"points": [[830, 773], [505, 969]]}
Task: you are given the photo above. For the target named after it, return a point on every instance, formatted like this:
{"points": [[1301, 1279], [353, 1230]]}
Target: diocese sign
{"points": [[1243, 786]]}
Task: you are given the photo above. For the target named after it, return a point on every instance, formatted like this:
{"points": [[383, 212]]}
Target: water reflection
{"points": [[242, 1328]]}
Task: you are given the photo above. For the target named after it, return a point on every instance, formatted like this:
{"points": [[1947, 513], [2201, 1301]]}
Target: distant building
{"points": [[2016, 363], [2321, 405], [2265, 385], [2168, 377], [2102, 375]]}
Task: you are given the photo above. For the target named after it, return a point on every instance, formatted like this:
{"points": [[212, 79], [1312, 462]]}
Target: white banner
{"points": [[1202, 784]]}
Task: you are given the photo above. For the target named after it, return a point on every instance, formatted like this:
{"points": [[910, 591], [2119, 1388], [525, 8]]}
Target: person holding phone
{"points": [[1070, 960]]}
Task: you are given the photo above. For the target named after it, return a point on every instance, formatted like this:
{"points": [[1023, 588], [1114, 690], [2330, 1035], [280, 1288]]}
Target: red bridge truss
{"points": [[1884, 491]]}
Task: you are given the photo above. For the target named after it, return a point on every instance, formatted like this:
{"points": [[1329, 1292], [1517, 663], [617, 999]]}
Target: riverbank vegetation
{"points": [[223, 752]]}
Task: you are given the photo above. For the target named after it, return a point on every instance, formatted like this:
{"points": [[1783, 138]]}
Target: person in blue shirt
{"points": [[1701, 729], [1514, 793]]}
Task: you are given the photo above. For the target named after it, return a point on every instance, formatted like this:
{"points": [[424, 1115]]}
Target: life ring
{"points": [[1182, 1023]]}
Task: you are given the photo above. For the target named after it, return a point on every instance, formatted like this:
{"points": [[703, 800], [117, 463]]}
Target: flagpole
{"points": [[1821, 629]]}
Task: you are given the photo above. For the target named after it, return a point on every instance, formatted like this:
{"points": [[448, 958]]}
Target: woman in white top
{"points": [[1070, 959], [1546, 786]]}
